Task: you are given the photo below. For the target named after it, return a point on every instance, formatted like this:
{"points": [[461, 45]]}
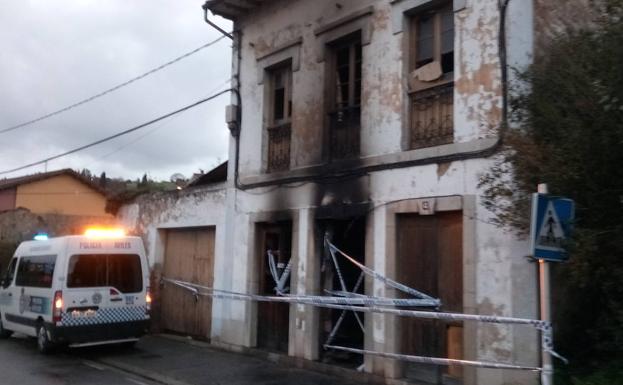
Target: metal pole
{"points": [[546, 374], [544, 299]]}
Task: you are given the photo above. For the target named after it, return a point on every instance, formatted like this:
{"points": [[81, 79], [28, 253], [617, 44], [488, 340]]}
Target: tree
{"points": [[569, 134], [143, 183], [102, 180], [86, 173]]}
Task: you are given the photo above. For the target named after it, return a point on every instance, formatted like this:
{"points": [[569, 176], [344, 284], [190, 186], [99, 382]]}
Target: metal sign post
{"points": [[544, 296], [550, 228]]}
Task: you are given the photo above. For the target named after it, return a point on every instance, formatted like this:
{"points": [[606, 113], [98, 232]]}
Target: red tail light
{"points": [[57, 306], [148, 300]]}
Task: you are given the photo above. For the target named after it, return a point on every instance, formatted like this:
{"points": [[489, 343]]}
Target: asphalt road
{"points": [[21, 364], [156, 360]]}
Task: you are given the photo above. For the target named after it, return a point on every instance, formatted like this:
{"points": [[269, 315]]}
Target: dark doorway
{"points": [[430, 259], [273, 317], [349, 236]]}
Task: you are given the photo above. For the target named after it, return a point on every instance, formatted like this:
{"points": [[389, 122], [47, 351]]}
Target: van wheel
{"points": [[44, 345], [3, 332]]}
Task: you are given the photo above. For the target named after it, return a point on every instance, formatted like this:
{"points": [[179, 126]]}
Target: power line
{"points": [[99, 95], [106, 139], [157, 127]]}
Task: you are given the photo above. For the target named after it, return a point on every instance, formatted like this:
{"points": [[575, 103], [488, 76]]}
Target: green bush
{"points": [[569, 134]]}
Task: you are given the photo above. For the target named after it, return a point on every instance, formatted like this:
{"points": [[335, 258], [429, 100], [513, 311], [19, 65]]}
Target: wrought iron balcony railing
{"points": [[432, 120], [279, 147], [344, 133]]}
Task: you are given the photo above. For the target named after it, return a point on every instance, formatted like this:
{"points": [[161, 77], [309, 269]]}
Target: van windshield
{"points": [[121, 271]]}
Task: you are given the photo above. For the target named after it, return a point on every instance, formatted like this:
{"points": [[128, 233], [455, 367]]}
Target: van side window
{"points": [[36, 271], [10, 273]]}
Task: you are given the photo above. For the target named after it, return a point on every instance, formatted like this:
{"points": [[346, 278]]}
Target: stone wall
{"points": [[21, 224]]}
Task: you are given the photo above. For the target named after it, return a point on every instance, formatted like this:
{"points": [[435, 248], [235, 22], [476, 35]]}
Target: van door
{"points": [[33, 283], [104, 288], [9, 297]]}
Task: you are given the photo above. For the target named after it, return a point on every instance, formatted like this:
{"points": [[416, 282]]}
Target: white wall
{"points": [[503, 279]]}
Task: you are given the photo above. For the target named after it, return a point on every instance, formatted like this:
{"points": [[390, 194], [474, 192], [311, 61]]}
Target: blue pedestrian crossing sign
{"points": [[550, 228]]}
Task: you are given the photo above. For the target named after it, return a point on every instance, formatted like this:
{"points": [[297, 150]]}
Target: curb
{"points": [[146, 374]]}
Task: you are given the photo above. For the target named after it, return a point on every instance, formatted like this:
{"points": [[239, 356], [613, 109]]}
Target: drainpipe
{"points": [[207, 20], [234, 112]]}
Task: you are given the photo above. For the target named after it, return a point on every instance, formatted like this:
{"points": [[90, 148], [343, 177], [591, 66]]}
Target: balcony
{"points": [[432, 122], [279, 147], [344, 132]]}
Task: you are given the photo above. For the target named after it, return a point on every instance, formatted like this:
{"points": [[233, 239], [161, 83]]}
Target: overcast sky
{"points": [[56, 53]]}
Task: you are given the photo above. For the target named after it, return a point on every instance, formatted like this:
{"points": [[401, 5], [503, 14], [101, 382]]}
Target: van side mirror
{"points": [[2, 283]]}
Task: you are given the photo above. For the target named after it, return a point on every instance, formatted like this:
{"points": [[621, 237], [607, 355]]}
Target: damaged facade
{"points": [[368, 123]]}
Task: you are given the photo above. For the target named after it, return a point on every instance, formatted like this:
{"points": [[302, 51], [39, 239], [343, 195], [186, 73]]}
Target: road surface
{"points": [[21, 364]]}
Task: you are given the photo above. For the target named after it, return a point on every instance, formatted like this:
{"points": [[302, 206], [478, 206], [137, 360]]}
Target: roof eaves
{"points": [[233, 9]]}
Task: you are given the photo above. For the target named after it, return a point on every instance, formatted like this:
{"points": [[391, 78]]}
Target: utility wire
{"points": [[99, 95], [106, 139], [162, 124]]}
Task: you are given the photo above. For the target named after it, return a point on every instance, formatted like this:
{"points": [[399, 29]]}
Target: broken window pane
{"points": [[425, 40], [447, 42], [345, 117], [278, 106]]}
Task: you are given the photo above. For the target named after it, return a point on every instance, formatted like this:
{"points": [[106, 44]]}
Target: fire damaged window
{"points": [[345, 93], [431, 87], [279, 117]]}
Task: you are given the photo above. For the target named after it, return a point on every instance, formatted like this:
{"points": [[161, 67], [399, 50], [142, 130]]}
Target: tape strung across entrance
{"points": [[329, 302], [435, 360], [280, 281], [388, 281], [352, 301]]}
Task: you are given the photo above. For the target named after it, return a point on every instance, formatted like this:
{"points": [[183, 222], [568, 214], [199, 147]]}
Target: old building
{"points": [[372, 121], [57, 203], [182, 230], [367, 123], [63, 192]]}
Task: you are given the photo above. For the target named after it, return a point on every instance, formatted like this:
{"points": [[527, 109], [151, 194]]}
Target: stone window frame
{"points": [[400, 23], [402, 12], [252, 283], [327, 35], [429, 206], [284, 70], [286, 54]]}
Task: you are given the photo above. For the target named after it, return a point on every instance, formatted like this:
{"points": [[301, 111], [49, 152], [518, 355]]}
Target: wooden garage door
{"points": [[189, 256]]}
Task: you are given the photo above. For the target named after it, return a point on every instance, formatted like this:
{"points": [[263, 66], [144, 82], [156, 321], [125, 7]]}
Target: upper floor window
{"points": [[280, 95], [279, 117], [431, 87], [345, 97]]}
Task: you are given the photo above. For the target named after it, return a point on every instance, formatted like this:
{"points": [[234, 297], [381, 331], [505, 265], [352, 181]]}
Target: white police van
{"points": [[77, 290]]}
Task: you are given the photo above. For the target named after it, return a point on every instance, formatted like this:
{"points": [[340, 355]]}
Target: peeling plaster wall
{"points": [[477, 97], [504, 280], [477, 104], [149, 216]]}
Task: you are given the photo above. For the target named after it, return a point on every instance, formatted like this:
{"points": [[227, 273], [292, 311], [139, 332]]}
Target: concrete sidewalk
{"points": [[177, 361]]}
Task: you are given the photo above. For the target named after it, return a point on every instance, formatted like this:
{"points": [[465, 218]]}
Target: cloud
{"points": [[57, 53]]}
